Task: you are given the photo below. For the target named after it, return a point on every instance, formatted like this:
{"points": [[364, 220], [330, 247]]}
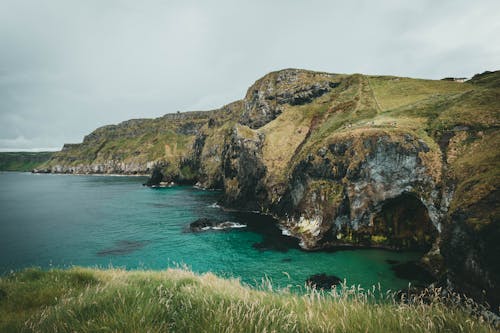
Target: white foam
{"points": [[229, 225], [237, 225]]}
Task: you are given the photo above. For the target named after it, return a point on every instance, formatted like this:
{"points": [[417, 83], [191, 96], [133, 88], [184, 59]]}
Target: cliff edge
{"points": [[339, 160]]}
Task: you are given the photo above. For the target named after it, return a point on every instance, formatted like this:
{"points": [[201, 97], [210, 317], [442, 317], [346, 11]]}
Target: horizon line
{"points": [[29, 150]]}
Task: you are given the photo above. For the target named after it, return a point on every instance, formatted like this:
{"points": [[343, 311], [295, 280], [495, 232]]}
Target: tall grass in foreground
{"points": [[90, 300]]}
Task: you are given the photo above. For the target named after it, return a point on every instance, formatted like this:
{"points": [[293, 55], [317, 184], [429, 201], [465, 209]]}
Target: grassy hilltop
{"points": [[23, 161], [89, 300]]}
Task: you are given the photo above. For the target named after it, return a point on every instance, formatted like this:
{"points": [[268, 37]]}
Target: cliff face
{"points": [[339, 194], [131, 147], [339, 160]]}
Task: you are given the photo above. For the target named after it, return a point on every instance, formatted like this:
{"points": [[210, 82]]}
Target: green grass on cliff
{"points": [[90, 300], [22, 161]]}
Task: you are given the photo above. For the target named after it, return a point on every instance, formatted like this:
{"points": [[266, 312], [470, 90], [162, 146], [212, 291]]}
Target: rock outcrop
{"points": [[265, 99], [339, 160], [339, 194], [323, 281], [243, 169]]}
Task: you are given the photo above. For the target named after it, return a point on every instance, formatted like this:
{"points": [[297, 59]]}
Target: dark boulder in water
{"points": [[156, 177], [323, 281], [202, 224]]}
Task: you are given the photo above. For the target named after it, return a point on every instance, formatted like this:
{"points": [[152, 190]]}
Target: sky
{"points": [[68, 67]]}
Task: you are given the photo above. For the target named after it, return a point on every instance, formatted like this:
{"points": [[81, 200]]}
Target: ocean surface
{"points": [[108, 221]]}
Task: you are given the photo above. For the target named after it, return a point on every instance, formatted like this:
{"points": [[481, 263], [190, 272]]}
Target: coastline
{"points": [[85, 174]]}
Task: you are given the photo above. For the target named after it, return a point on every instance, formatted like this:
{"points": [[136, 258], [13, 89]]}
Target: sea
{"points": [[59, 221]]}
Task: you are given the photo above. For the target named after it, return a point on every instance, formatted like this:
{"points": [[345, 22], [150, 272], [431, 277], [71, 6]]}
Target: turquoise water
{"points": [[102, 221]]}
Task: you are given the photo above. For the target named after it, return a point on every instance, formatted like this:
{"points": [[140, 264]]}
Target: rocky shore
{"points": [[339, 160]]}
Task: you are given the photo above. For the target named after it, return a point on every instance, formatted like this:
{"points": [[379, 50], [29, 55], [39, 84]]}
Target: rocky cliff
{"points": [[339, 160]]}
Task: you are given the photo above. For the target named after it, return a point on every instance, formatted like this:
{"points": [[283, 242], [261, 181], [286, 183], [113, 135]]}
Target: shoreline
{"points": [[85, 174]]}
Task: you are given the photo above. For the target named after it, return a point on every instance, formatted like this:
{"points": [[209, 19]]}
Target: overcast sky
{"points": [[68, 67]]}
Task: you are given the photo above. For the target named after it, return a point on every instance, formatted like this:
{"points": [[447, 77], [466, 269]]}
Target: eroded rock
{"points": [[370, 199], [265, 99]]}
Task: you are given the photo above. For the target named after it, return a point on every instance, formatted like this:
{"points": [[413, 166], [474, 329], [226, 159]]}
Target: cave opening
{"points": [[403, 222]]}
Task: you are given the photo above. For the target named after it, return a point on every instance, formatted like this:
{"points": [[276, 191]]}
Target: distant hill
{"points": [[23, 161]]}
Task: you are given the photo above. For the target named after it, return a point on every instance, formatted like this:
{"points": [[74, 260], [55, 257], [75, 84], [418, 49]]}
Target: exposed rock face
{"points": [[471, 252], [265, 99], [156, 177], [134, 146], [340, 160], [243, 170], [107, 167], [336, 194]]}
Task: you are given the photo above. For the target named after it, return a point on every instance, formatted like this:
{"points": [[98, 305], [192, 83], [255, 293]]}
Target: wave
{"points": [[205, 224], [228, 225]]}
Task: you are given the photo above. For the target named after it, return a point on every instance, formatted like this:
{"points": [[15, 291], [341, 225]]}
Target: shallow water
{"points": [[102, 221]]}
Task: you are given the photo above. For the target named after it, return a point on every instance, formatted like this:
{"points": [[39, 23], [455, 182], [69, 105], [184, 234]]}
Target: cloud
{"points": [[68, 67], [22, 144]]}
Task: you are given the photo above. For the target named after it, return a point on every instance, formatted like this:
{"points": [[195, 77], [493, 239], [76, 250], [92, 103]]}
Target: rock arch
{"points": [[403, 222], [375, 176]]}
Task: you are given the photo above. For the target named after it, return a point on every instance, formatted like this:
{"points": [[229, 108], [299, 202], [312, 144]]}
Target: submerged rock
{"points": [[411, 270], [123, 247], [392, 262], [268, 246], [323, 281]]}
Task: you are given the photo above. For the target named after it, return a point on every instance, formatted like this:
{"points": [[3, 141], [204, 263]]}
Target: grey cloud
{"points": [[67, 66]]}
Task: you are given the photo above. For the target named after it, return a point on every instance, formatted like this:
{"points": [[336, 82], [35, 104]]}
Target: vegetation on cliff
{"points": [[339, 160], [23, 161], [90, 300]]}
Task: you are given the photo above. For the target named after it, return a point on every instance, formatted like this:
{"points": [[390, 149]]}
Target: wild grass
{"points": [[393, 92], [90, 300]]}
